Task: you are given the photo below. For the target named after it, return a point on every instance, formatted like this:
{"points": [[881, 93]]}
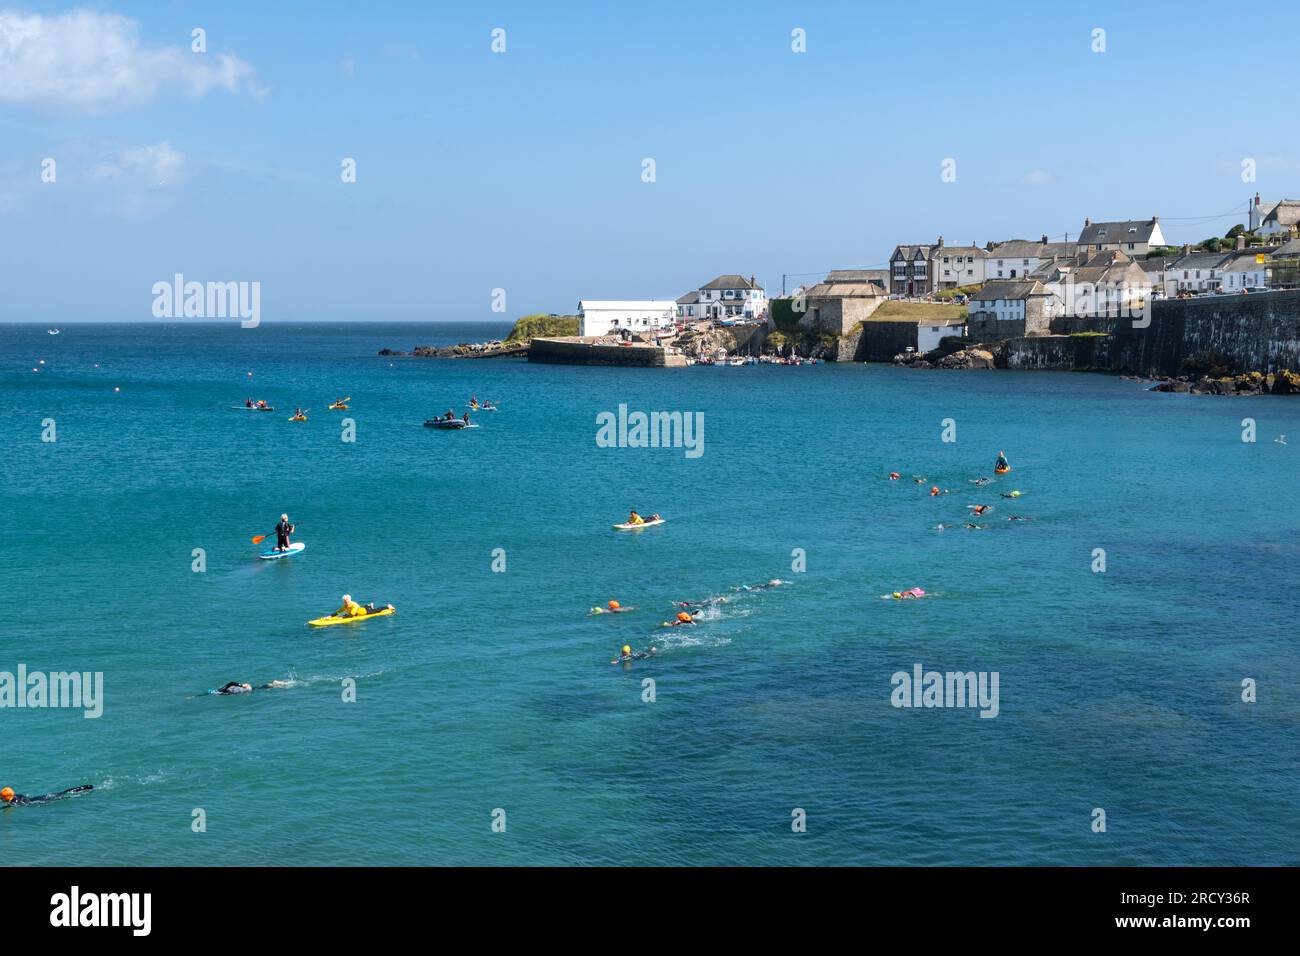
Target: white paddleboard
{"points": [[272, 555], [638, 527]]}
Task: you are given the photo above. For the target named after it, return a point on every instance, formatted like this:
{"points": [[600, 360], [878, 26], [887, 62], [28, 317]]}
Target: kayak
{"points": [[273, 555], [482, 408], [327, 621], [1001, 471], [338, 408], [453, 424], [625, 526], [298, 418], [253, 408]]}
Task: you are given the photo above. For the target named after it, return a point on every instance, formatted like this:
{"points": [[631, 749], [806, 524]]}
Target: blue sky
{"points": [[523, 170]]}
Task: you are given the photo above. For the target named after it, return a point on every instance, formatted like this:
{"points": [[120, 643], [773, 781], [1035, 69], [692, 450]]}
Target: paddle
{"points": [[258, 539]]}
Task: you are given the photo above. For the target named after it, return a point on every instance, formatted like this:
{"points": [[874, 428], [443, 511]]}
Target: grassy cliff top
{"points": [[896, 310], [540, 324]]}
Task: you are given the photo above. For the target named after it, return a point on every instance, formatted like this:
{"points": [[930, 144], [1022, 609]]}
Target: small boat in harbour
{"points": [[448, 424], [52, 331]]}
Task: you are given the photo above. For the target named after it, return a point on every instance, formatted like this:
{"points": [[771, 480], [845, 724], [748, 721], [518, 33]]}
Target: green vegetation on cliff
{"points": [[540, 324]]}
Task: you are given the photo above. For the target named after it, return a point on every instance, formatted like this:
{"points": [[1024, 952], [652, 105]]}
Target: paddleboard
{"points": [[637, 527], [273, 555], [245, 408], [327, 621]]}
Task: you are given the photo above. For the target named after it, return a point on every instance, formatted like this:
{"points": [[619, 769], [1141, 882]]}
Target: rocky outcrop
{"points": [[493, 349], [1250, 383], [960, 358]]}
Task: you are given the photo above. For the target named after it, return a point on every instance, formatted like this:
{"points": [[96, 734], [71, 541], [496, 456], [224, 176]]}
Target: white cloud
{"points": [[158, 165], [1037, 177], [91, 61]]}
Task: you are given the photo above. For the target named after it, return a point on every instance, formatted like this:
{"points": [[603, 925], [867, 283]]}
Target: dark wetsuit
{"points": [[282, 532], [234, 687], [22, 800]]}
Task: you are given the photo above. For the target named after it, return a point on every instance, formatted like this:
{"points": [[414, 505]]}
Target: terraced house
{"points": [[1021, 258], [921, 270]]}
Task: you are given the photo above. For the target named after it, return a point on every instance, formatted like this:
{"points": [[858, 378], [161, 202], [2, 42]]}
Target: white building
{"points": [[1244, 272], [1021, 258], [930, 332], [603, 317], [1133, 237], [1282, 220], [956, 266], [731, 297]]}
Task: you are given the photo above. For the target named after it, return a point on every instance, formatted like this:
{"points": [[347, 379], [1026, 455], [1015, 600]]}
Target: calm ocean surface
{"points": [[487, 690]]}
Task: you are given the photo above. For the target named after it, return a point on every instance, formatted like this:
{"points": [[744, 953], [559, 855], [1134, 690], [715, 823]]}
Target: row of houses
{"points": [[1022, 284]]}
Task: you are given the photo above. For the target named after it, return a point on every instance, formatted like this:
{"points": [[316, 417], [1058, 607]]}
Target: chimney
{"points": [[1241, 242], [1086, 222], [941, 242], [1187, 249], [1154, 220], [1257, 200]]}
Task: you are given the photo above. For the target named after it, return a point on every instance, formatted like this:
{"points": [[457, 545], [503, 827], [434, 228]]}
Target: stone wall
{"points": [[1242, 333], [880, 341], [579, 351], [839, 314]]}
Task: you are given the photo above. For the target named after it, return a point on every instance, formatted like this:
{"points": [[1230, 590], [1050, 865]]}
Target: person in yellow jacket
{"points": [[350, 608], [635, 518]]}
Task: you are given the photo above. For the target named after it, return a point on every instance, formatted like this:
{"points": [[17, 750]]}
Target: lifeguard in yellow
{"points": [[635, 518], [350, 608]]}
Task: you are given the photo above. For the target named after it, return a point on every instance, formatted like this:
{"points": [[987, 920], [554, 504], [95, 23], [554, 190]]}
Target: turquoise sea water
{"points": [[1118, 690]]}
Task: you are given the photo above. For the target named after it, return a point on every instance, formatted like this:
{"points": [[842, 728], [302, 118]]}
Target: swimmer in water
{"points": [[12, 799], [976, 527], [628, 655], [680, 620], [980, 481], [1010, 494], [1016, 518], [235, 687], [774, 583], [613, 607], [909, 594], [979, 509]]}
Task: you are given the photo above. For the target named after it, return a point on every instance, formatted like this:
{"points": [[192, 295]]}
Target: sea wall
{"points": [[580, 351], [1068, 353], [880, 341], [1241, 333]]}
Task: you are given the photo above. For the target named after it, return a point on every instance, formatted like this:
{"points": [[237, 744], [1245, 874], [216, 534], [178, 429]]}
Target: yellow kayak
{"points": [[338, 407], [327, 621], [298, 418]]}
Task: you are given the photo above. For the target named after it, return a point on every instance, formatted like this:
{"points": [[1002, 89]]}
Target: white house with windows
{"points": [[1244, 273], [1195, 272], [602, 317], [726, 297], [956, 266], [1018, 259]]}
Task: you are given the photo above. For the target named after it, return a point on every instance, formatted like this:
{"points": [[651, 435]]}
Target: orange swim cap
{"points": [[613, 605], [7, 793], [934, 490]]}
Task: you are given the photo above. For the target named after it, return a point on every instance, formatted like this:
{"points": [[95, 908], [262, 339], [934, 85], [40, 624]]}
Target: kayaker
{"points": [[1002, 463], [248, 402], [12, 799], [635, 518], [465, 418], [261, 403], [282, 532]]}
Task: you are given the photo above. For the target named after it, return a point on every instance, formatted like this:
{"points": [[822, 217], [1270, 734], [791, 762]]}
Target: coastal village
{"points": [[1075, 303]]}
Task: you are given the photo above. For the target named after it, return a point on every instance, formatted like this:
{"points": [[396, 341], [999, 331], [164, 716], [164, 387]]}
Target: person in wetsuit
{"points": [[282, 532], [235, 687], [12, 799]]}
